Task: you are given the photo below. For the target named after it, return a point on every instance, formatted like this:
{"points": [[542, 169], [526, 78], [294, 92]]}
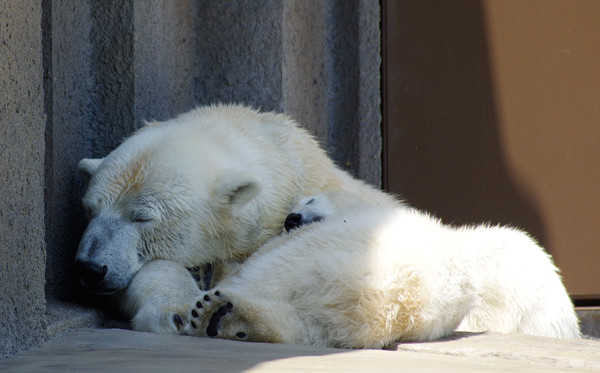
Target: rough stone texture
{"points": [[68, 87], [239, 53], [342, 90], [67, 317], [331, 79], [305, 79], [166, 62], [112, 98], [112, 350], [369, 93], [22, 252]]}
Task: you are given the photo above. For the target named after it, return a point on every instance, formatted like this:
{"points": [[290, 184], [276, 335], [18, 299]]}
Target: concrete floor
{"points": [[118, 350]]}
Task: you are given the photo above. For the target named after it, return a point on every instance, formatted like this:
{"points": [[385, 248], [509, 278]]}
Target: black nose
{"points": [[90, 273], [292, 221]]}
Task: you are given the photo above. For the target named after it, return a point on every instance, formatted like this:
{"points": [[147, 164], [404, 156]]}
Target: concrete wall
{"points": [[22, 123], [76, 77]]}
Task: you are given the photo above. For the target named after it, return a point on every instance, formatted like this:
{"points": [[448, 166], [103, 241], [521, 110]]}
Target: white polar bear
{"points": [[210, 186], [365, 277]]}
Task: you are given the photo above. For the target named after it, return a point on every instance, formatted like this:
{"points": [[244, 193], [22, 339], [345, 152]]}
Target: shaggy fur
{"points": [[364, 277], [210, 186]]}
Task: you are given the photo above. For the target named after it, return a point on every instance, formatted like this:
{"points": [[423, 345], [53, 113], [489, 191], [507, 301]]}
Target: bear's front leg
{"points": [[159, 297], [230, 316]]}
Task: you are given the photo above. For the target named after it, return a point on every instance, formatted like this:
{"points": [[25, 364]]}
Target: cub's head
{"points": [[309, 210], [165, 193], [321, 206]]}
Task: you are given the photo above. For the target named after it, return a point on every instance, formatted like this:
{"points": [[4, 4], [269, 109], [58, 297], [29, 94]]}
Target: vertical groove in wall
{"points": [[343, 72], [112, 66], [67, 88], [165, 58], [239, 53], [370, 141], [384, 95], [48, 135], [304, 75], [331, 78]]}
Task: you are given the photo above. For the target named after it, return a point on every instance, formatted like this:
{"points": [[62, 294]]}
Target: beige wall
{"points": [[494, 115]]}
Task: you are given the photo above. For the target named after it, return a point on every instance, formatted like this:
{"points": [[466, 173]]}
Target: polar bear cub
{"points": [[366, 276], [517, 287]]}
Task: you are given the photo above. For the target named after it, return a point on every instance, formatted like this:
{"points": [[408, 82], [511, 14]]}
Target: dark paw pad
{"points": [[215, 319]]}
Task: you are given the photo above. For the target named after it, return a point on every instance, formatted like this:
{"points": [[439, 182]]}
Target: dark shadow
{"points": [[453, 337], [107, 350], [442, 148]]}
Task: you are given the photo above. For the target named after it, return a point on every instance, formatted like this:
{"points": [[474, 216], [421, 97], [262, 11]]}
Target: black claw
{"points": [[193, 324], [198, 305], [208, 273], [207, 298], [217, 293], [194, 313], [178, 321], [229, 305]]}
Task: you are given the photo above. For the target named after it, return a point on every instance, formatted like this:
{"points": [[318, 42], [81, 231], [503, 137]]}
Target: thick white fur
{"points": [[212, 185], [216, 184], [367, 276], [162, 290]]}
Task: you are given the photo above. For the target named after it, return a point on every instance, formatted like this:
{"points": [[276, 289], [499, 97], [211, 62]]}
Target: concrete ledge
{"points": [[109, 350], [63, 317], [545, 352]]}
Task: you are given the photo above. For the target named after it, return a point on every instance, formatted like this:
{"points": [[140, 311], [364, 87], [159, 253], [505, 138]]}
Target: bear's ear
{"points": [[237, 188], [88, 166]]}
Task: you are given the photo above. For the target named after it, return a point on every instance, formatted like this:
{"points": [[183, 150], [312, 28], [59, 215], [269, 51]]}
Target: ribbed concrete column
{"points": [[70, 133], [78, 77], [331, 78], [22, 251], [369, 92], [239, 52], [166, 62]]}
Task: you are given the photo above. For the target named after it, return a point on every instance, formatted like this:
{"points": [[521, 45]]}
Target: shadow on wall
{"points": [[443, 150]]}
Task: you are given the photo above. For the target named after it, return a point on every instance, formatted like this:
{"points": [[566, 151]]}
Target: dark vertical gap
{"points": [[384, 96], [344, 75], [113, 76], [48, 135]]}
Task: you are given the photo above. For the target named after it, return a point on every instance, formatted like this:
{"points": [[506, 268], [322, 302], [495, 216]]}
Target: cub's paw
{"points": [[214, 315]]}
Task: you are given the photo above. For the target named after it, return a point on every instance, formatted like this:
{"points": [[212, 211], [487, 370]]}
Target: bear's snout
{"points": [[293, 221], [89, 272], [92, 277], [107, 257]]}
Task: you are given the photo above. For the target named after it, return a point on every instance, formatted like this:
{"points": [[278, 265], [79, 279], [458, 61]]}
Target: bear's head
{"points": [[167, 192]]}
